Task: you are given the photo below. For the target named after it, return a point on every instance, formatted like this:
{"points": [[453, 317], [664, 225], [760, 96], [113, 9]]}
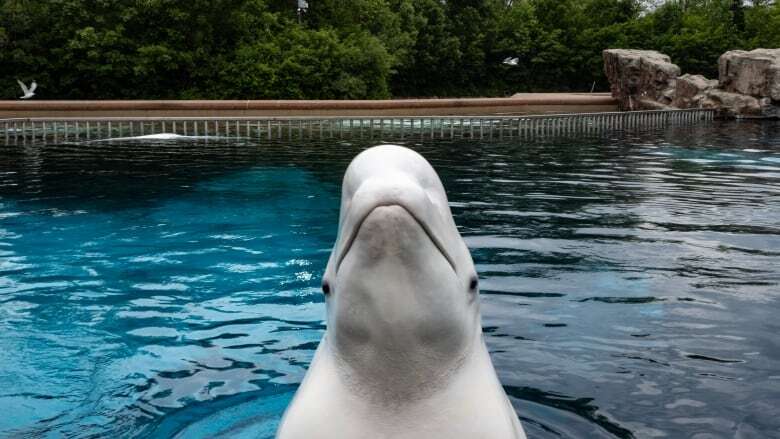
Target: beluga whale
{"points": [[402, 355]]}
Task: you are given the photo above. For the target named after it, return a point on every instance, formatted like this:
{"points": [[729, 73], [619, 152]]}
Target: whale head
{"points": [[400, 285]]}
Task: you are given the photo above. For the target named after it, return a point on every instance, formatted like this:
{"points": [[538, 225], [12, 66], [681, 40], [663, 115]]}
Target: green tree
{"points": [[434, 56], [339, 49], [515, 36], [762, 24]]}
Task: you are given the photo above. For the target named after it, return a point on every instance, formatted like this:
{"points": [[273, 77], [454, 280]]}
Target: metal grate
{"points": [[385, 128]]}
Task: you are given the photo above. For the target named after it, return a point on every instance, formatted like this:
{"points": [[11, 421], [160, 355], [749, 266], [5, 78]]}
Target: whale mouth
{"points": [[428, 232]]}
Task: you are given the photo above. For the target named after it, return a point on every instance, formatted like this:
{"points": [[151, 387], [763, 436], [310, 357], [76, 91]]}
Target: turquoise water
{"points": [[154, 289]]}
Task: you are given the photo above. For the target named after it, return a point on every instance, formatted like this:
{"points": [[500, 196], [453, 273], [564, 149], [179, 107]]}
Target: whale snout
{"points": [[391, 206], [389, 232], [393, 287]]}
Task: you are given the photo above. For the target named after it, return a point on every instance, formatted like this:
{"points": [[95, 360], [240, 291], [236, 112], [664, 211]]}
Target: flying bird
{"points": [[28, 92], [511, 61]]}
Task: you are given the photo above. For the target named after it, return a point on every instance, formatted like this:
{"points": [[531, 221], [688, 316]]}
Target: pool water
{"points": [[630, 284]]}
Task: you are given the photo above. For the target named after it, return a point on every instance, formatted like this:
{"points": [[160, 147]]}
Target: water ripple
{"points": [[161, 287]]}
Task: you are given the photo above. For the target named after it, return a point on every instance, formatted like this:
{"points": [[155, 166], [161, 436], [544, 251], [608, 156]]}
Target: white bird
{"points": [[511, 61], [28, 92]]}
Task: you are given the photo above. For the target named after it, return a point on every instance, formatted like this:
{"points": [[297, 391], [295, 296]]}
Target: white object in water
{"points": [[161, 136], [403, 354], [511, 61], [28, 92]]}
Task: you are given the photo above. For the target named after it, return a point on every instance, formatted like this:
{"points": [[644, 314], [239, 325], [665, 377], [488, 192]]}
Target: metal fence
{"points": [[385, 128]]}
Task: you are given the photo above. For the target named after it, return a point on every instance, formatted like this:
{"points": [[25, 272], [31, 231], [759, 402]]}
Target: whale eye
{"points": [[325, 287], [473, 283]]}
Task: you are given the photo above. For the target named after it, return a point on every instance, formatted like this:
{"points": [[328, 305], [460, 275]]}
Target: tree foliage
{"points": [[350, 49]]}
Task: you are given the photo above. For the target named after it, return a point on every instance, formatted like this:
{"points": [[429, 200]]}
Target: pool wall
{"points": [[380, 127], [529, 103]]}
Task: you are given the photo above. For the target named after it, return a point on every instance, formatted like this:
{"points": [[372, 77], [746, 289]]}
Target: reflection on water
{"points": [[629, 285]]}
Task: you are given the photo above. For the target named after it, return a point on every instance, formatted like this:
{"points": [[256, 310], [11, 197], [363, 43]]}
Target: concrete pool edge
{"points": [[520, 104]]}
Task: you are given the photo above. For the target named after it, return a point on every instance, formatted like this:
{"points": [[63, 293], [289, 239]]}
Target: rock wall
{"points": [[691, 90], [732, 105], [640, 78], [748, 84], [755, 73]]}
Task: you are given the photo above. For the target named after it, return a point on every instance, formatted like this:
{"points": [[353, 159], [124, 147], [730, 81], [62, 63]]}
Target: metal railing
{"points": [[385, 128]]}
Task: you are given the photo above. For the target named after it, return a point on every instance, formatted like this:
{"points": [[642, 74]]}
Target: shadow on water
{"points": [[127, 174], [580, 407], [172, 287], [249, 415]]}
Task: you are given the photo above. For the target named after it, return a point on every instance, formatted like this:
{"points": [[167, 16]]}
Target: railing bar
{"points": [[522, 126]]}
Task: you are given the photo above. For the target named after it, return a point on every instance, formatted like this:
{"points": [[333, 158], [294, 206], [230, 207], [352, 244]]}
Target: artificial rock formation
{"points": [[640, 79], [732, 105], [755, 73], [749, 83], [691, 90]]}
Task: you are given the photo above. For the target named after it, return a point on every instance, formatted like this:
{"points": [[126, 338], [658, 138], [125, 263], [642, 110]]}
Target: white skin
{"points": [[403, 354]]}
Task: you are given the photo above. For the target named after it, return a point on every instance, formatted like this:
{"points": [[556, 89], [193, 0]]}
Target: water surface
{"points": [[155, 288]]}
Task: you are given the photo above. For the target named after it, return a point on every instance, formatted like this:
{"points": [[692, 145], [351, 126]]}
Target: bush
{"points": [[353, 49]]}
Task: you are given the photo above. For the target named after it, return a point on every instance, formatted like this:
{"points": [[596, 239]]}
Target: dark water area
{"points": [[629, 284]]}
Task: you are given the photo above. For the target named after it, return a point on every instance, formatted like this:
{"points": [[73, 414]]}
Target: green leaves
{"points": [[307, 64], [353, 49]]}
